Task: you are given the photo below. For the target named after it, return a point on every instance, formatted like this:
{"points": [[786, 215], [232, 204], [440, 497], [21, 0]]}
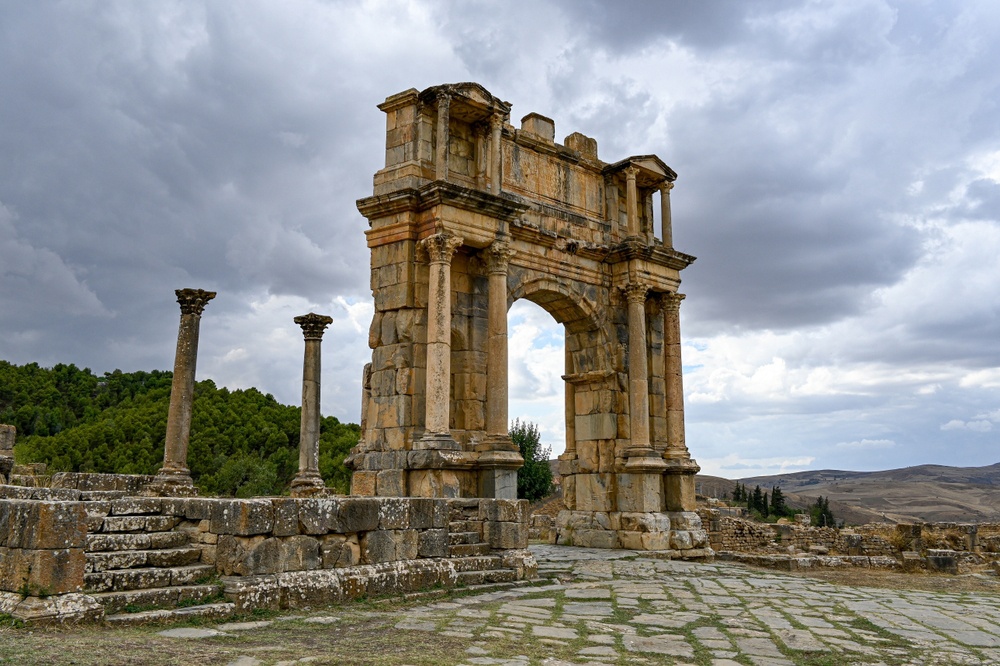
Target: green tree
{"points": [[778, 506], [534, 480], [820, 513]]}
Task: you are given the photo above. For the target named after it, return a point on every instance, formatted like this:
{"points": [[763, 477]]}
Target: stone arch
{"points": [[470, 214]]}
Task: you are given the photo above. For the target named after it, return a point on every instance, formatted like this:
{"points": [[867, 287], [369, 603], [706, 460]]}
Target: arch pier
{"points": [[470, 214]]}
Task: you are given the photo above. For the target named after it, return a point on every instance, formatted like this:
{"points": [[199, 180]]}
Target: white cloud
{"points": [[972, 426], [867, 444]]}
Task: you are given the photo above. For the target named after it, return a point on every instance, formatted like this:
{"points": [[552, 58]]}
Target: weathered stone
{"points": [[286, 517], [42, 572], [433, 543], [300, 553], [242, 517], [45, 525], [394, 514]]}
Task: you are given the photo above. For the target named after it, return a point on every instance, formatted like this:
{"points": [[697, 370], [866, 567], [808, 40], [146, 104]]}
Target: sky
{"points": [[839, 182]]}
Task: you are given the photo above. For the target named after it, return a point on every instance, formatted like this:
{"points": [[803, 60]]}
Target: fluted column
{"points": [[308, 481], [441, 154], [497, 259], [496, 158], [673, 371], [666, 224], [175, 477], [638, 376], [632, 201], [440, 248]]}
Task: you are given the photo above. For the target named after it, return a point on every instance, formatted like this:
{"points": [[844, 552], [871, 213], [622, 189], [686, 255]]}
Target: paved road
{"points": [[617, 607]]}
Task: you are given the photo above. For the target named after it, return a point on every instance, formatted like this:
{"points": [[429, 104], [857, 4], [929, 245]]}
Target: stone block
{"points": [[46, 525], [42, 572], [684, 520], [433, 543], [504, 536], [357, 514], [301, 589], [504, 510], [640, 492], [595, 539], [264, 556], [363, 483], [426, 513], [643, 522], [252, 592], [160, 523], [242, 517], [319, 515], [377, 547], [394, 513], [681, 540], [132, 506], [593, 492], [300, 553], [286, 517], [655, 541]]}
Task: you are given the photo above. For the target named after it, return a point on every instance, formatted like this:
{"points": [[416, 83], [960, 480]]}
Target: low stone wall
{"points": [[269, 552], [671, 533]]}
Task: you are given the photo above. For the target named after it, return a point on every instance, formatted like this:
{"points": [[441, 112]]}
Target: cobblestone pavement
{"points": [[618, 607]]}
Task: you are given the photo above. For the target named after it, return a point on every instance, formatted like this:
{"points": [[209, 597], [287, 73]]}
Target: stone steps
{"points": [[127, 541], [155, 598], [120, 580], [134, 559], [468, 549], [218, 611], [456, 538], [467, 578]]}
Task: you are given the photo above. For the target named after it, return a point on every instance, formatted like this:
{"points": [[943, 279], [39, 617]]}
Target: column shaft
{"points": [[175, 470], [440, 248], [441, 154], [498, 258], [570, 405], [308, 480], [673, 370], [496, 156], [666, 224], [637, 370], [631, 201]]}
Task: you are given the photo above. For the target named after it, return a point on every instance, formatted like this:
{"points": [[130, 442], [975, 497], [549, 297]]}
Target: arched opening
{"points": [[535, 365]]}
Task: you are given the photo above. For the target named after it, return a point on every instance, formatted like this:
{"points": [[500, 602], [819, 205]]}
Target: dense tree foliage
{"points": [[243, 443], [534, 480], [820, 513]]}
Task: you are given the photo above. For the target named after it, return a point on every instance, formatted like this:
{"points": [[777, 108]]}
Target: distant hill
{"points": [[930, 493]]}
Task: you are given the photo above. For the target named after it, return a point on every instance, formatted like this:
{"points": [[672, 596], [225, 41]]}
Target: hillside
{"points": [[242, 442], [931, 493]]}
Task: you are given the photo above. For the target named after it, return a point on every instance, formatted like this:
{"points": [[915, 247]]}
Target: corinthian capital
{"points": [[631, 172], [671, 302], [440, 247], [193, 301], [498, 257], [313, 325], [666, 187], [635, 292]]}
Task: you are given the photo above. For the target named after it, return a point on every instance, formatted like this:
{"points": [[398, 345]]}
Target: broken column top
{"points": [[7, 435]]}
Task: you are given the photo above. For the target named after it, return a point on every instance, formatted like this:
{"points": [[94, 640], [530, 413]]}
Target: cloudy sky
{"points": [[839, 182]]}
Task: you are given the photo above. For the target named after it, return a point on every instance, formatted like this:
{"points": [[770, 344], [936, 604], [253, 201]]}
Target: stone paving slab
{"points": [[623, 607]]}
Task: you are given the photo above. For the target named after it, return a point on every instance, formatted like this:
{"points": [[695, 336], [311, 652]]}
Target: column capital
{"points": [[313, 325], [496, 121], [671, 301], [443, 100], [636, 292], [498, 256], [440, 247], [193, 301], [631, 172], [666, 187]]}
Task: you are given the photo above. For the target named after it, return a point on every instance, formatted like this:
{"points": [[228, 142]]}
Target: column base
{"points": [[308, 485], [498, 475], [679, 484], [497, 443], [673, 535], [170, 483], [436, 441]]}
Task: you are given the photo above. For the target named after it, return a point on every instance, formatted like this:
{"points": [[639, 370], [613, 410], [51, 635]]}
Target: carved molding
{"points": [[636, 292], [313, 325], [193, 301], [441, 247]]}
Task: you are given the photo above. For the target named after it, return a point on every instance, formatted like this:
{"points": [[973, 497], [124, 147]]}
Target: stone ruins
{"points": [[469, 215]]}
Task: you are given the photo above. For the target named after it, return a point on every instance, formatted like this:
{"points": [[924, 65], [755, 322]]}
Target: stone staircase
{"points": [[478, 567], [140, 570]]}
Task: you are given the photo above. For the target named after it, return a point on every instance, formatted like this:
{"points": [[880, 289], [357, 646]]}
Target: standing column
{"points": [[175, 477], [631, 201], [638, 376], [440, 248], [441, 155], [496, 157], [676, 446], [307, 481], [570, 404], [497, 258], [666, 223]]}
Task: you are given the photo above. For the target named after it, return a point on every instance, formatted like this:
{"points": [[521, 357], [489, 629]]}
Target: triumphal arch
{"points": [[470, 214]]}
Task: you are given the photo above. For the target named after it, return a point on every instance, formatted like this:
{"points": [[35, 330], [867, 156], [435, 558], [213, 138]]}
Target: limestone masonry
{"points": [[470, 214]]}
